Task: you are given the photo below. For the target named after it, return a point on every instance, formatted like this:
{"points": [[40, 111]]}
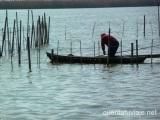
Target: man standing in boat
{"points": [[111, 42]]}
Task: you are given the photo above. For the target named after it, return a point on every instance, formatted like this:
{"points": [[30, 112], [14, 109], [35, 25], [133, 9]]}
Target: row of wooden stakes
{"points": [[35, 35]]}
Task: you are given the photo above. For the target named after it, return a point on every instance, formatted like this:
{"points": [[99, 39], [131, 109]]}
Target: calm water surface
{"points": [[83, 92]]}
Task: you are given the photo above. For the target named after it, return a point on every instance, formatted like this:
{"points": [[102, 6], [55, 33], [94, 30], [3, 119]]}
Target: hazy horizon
{"points": [[23, 4]]}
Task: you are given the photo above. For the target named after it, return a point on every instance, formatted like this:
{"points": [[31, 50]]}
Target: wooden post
{"points": [[109, 45], [81, 51], [34, 37], [41, 26], [137, 30], [57, 50], [132, 51], [121, 52], [32, 31], [13, 37], [37, 34], [52, 51], [93, 30], [123, 29], [23, 37], [18, 41], [48, 30], [28, 25], [94, 49], [71, 48], [121, 43], [151, 50], [98, 48], [5, 46], [4, 34], [12, 61], [137, 51], [39, 53], [144, 29], [29, 56], [37, 46], [2, 42], [151, 42], [12, 45], [45, 30], [9, 44], [65, 33], [158, 19], [8, 32]]}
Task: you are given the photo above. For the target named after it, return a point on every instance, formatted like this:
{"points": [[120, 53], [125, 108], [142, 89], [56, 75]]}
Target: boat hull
{"points": [[95, 60]]}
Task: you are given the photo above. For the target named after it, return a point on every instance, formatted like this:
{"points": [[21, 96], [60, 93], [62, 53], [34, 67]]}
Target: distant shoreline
{"points": [[67, 4]]}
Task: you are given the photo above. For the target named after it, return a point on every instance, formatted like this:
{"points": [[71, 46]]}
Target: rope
{"points": [[143, 48]]}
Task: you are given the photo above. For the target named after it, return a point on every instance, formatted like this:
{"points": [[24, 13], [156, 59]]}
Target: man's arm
{"points": [[103, 48]]}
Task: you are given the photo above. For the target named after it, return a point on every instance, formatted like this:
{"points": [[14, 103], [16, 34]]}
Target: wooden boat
{"points": [[96, 60]]}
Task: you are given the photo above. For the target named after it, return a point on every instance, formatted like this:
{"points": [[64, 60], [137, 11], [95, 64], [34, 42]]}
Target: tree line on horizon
{"points": [[29, 4]]}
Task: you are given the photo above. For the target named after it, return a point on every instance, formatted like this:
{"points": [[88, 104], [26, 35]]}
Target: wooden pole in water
{"points": [[57, 50], [151, 50], [4, 34], [37, 40], [144, 29], [24, 47], [37, 33], [65, 32], [109, 45], [48, 30], [121, 43], [34, 34], [39, 53], [98, 48], [2, 42], [8, 33], [28, 25], [137, 51], [94, 49], [32, 29], [71, 48], [158, 19], [81, 50], [137, 30], [9, 45], [13, 37], [12, 45], [151, 42], [132, 51], [41, 32], [45, 29], [18, 41], [121, 51], [93, 29], [52, 51], [5, 46], [29, 56]]}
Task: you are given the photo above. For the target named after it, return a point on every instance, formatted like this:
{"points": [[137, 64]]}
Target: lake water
{"points": [[83, 92]]}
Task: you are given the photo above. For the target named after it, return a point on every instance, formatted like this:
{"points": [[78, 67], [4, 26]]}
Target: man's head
{"points": [[103, 34]]}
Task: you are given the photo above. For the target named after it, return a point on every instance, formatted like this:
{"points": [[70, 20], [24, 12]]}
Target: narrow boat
{"points": [[96, 60]]}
